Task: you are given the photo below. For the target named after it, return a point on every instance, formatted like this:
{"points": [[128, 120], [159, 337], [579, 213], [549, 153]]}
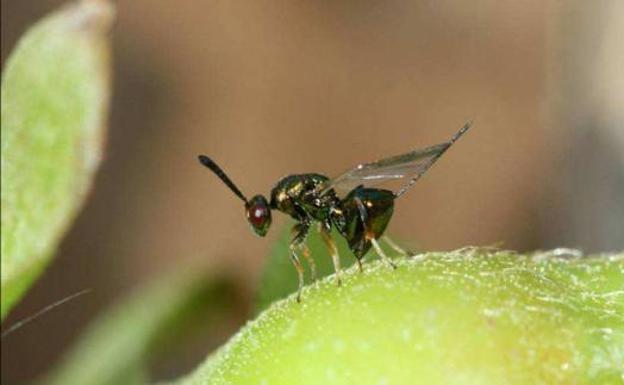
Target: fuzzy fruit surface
{"points": [[464, 317]]}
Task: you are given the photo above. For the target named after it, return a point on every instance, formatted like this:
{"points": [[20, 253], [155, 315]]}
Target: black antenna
{"points": [[206, 161]]}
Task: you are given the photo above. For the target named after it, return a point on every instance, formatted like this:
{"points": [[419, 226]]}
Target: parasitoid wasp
{"points": [[350, 203]]}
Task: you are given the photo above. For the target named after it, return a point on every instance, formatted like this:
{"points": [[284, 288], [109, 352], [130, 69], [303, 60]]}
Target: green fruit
{"points": [[465, 317]]}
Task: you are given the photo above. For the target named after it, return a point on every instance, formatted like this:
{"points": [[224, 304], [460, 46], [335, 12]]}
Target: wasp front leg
{"points": [[333, 251], [300, 230]]}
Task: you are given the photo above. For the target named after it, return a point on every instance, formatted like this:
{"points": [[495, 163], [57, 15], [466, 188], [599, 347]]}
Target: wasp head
{"points": [[257, 208], [258, 214]]}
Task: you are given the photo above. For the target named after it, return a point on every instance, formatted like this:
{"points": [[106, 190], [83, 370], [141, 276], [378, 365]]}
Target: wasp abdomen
{"points": [[365, 216]]}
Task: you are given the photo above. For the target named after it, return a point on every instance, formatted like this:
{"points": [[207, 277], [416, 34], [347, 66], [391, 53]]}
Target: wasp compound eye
{"points": [[259, 214]]}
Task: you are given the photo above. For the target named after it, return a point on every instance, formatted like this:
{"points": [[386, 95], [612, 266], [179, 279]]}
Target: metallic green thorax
{"points": [[361, 216], [296, 196]]}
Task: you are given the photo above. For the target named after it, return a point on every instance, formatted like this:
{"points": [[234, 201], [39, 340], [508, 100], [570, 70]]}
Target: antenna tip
{"points": [[203, 159]]}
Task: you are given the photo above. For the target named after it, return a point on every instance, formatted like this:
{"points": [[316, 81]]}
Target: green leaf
{"points": [[54, 102], [279, 277], [114, 349], [466, 317]]}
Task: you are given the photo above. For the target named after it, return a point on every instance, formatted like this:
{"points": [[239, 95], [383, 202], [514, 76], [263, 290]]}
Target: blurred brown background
{"points": [[270, 88]]}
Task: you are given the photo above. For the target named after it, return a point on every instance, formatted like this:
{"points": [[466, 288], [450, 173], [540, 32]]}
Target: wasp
{"points": [[350, 203]]}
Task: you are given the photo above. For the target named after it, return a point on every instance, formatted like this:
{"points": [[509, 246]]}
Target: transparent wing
{"points": [[410, 166]]}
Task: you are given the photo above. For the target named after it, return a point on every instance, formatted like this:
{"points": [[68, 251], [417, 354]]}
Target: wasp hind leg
{"points": [[299, 231], [359, 262], [382, 254], [395, 246], [369, 234], [331, 246]]}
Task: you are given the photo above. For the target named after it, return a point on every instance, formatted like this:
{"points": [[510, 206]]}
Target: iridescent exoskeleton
{"points": [[349, 203]]}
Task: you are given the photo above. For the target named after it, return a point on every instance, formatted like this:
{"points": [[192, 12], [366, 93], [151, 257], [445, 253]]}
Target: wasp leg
{"points": [[369, 235], [331, 246], [382, 253], [395, 246], [360, 267], [300, 230], [295, 260], [308, 256]]}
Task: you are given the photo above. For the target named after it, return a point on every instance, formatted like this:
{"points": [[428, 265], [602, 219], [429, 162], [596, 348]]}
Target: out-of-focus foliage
{"points": [[472, 316], [54, 102], [115, 348]]}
